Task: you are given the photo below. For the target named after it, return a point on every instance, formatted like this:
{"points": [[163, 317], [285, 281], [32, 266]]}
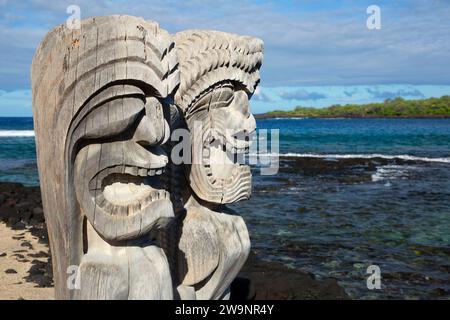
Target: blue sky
{"points": [[317, 52]]}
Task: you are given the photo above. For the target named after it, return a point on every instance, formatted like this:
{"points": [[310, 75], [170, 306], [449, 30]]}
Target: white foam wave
{"points": [[392, 172], [16, 133], [357, 156]]}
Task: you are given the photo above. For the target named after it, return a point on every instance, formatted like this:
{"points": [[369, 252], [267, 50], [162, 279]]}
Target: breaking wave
{"points": [[16, 133], [356, 156]]}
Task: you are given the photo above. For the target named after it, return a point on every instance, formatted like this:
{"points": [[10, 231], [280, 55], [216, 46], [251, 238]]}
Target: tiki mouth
{"points": [[232, 145], [224, 160], [121, 188], [128, 189]]}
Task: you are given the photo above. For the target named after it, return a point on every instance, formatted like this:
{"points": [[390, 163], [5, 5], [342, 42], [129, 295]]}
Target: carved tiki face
{"points": [[100, 99], [120, 165], [219, 73]]}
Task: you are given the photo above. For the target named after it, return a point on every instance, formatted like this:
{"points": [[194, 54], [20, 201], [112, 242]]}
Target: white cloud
{"points": [[18, 102], [332, 95], [306, 42]]}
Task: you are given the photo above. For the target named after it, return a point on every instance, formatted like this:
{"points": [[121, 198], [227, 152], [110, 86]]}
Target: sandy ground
{"points": [[14, 255]]}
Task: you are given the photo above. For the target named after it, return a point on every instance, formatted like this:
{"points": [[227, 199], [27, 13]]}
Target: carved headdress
{"points": [[207, 58]]}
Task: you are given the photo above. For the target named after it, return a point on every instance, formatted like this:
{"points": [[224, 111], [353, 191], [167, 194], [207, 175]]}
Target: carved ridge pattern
{"points": [[205, 56]]}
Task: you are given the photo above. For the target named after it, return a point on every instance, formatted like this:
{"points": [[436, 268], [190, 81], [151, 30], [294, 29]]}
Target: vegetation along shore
{"points": [[390, 108]]}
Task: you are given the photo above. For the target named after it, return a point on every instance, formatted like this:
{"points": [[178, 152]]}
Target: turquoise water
{"points": [[349, 193], [18, 151], [416, 137]]}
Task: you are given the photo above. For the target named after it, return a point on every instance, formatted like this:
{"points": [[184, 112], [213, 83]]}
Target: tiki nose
{"points": [[148, 132], [157, 157], [153, 127]]}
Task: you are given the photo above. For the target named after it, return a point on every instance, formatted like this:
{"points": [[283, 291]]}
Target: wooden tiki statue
{"points": [[101, 95], [218, 74]]}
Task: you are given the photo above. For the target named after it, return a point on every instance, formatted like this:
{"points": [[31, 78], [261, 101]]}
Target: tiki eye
{"points": [[111, 118]]}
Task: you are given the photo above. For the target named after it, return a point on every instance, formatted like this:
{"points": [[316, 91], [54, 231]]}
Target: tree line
{"points": [[398, 107]]}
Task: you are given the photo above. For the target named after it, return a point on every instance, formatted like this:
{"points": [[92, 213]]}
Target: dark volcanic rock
{"points": [[13, 220], [19, 226], [41, 273], [10, 271], [21, 208], [38, 211], [40, 254], [439, 292], [259, 280], [26, 244]]}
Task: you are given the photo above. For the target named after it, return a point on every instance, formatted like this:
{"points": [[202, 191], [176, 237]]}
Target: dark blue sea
{"points": [[349, 193]]}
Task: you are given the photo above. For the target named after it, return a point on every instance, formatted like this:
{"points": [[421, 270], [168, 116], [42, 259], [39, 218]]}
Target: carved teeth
{"points": [[116, 169], [120, 210], [134, 171], [134, 208], [142, 172], [108, 206], [124, 189], [156, 172], [159, 194], [208, 170], [130, 170]]}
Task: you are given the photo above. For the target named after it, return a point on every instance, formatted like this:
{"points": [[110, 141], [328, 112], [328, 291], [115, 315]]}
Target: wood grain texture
{"points": [[219, 73], [90, 88]]}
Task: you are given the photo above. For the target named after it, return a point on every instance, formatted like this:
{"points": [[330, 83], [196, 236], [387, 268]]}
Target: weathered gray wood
{"points": [[101, 99], [103, 271], [90, 88], [219, 73]]}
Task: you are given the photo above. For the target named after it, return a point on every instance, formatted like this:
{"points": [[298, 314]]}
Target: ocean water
{"points": [[349, 193], [18, 151]]}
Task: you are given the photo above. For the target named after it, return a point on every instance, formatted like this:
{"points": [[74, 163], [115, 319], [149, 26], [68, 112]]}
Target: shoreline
{"points": [[265, 116], [21, 212]]}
